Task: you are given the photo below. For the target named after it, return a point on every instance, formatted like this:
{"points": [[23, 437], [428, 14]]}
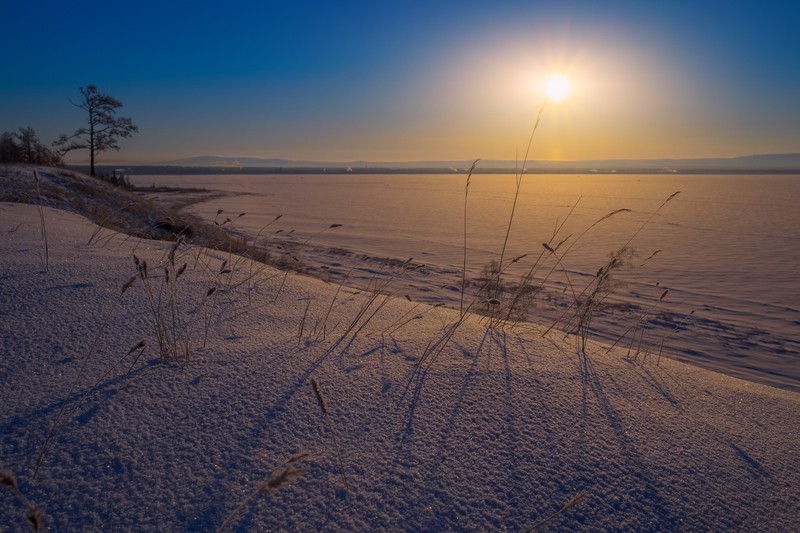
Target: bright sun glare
{"points": [[557, 87]]}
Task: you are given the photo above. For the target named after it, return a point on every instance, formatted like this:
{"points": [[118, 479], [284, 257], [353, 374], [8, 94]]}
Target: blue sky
{"points": [[401, 81]]}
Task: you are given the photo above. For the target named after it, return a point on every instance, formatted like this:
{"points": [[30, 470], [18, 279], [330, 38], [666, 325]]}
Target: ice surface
{"points": [[728, 248]]}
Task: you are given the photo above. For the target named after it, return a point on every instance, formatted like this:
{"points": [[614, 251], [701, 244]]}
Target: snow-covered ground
{"points": [[499, 433]]}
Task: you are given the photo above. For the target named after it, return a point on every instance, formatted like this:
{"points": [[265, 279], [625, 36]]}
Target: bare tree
{"points": [[103, 128]]}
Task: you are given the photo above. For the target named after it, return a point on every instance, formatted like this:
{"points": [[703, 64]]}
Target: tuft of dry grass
{"points": [[435, 347], [585, 304], [173, 327]]}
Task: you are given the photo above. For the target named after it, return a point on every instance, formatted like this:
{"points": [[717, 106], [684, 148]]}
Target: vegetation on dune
{"points": [[119, 209]]}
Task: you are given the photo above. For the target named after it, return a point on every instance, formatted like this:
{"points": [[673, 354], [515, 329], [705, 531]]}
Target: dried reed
{"points": [[42, 222], [464, 266], [279, 478], [576, 500], [324, 407], [33, 514]]}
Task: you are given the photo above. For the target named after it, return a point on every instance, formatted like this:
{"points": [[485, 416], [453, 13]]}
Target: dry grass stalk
{"points": [[652, 216], [320, 232], [324, 407], [302, 326], [592, 296], [600, 287], [253, 260], [576, 500], [42, 222], [464, 266], [408, 317], [323, 329], [522, 289], [518, 178], [551, 249], [279, 478], [283, 281], [435, 348], [642, 331], [172, 327], [670, 332], [637, 327], [33, 513], [140, 347], [375, 289]]}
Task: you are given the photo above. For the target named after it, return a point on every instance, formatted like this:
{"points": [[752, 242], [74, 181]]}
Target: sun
{"points": [[557, 87]]}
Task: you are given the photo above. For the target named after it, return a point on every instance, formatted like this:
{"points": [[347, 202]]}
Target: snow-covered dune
{"points": [[482, 430]]}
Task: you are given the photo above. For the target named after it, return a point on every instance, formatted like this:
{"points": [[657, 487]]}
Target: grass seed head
{"points": [[34, 517], [320, 397], [129, 283], [283, 475], [576, 500], [142, 343], [7, 478]]}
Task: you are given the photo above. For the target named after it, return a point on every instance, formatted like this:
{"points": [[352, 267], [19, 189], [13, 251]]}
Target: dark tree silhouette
{"points": [[24, 146], [33, 150], [103, 127], [10, 152]]}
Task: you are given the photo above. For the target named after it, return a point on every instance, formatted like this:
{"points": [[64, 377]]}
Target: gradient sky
{"points": [[403, 81]]}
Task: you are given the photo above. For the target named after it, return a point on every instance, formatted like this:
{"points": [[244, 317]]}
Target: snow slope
{"points": [[502, 431]]}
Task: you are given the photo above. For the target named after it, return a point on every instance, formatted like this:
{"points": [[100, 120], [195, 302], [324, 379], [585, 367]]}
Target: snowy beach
{"points": [[725, 247], [430, 423]]}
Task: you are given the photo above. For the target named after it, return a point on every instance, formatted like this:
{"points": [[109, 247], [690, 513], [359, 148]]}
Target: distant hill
{"points": [[210, 164], [248, 162]]}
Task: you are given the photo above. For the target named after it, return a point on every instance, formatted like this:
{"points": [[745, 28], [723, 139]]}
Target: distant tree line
{"points": [[102, 130], [24, 146]]}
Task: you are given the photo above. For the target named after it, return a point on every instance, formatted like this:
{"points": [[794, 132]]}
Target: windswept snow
{"points": [[502, 431]]}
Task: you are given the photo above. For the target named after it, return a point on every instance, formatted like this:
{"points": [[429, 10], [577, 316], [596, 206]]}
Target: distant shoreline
{"points": [[215, 170]]}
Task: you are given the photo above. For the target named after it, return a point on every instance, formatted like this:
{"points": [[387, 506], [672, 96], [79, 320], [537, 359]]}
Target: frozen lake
{"points": [[728, 248]]}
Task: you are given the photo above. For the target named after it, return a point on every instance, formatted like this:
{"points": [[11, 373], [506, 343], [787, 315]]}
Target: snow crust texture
{"points": [[500, 431]]}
